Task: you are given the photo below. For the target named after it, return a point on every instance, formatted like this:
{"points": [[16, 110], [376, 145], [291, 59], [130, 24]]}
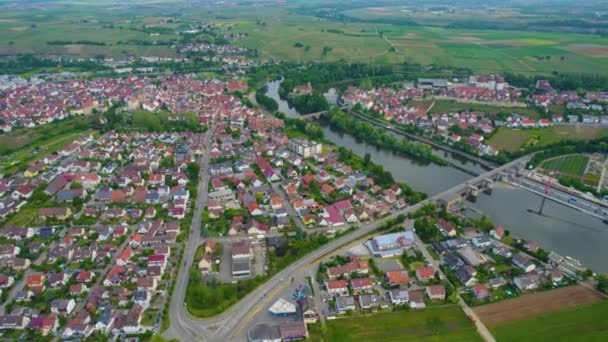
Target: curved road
{"points": [[225, 326]]}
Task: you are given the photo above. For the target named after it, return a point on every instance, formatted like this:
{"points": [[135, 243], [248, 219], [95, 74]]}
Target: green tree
{"points": [[299, 234], [168, 162], [366, 84], [602, 283], [367, 159], [192, 170], [75, 185]]}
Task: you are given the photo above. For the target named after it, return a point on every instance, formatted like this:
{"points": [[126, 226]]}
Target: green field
{"points": [[480, 50], [274, 31], [20, 148], [572, 165], [149, 317], [586, 323], [446, 106], [23, 217], [511, 140], [431, 324]]}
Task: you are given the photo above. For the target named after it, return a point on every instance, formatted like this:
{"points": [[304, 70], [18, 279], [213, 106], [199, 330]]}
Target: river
{"points": [[562, 229]]}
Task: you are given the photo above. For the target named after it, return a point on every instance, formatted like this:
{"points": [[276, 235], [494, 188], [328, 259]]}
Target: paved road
{"points": [[176, 308], [101, 276], [276, 187], [586, 205], [229, 325], [20, 285]]}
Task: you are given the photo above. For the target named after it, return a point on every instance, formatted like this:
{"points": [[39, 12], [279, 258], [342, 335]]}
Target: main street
{"points": [[176, 309], [229, 325]]}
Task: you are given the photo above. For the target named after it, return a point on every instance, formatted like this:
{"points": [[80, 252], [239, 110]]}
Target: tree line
{"points": [[560, 81], [27, 63], [378, 137], [69, 42], [266, 101]]}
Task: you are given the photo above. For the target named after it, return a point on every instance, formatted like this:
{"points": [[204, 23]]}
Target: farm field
{"points": [[275, 31], [535, 304], [23, 217], [444, 106], [511, 140], [480, 50], [574, 165], [431, 324], [25, 146], [582, 323]]}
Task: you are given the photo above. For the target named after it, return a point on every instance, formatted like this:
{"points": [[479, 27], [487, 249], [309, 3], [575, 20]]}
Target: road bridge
{"points": [[318, 115]]}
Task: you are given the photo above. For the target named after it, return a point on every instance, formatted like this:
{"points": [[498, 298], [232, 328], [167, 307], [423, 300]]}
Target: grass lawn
{"points": [[416, 265], [24, 146], [431, 324], [23, 217], [149, 317], [25, 155], [509, 140], [572, 165], [591, 179], [586, 323], [512, 140]]}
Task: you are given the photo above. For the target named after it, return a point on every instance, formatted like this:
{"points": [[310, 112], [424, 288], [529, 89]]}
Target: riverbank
{"points": [[561, 229], [382, 123]]}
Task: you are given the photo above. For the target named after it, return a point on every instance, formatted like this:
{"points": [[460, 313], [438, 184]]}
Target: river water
{"points": [[561, 229]]}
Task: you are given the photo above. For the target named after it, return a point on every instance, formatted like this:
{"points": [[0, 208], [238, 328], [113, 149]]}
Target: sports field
{"points": [[583, 323], [574, 165], [431, 324]]}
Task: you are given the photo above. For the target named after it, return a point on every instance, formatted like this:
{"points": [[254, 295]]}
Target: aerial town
{"points": [[288, 170]]}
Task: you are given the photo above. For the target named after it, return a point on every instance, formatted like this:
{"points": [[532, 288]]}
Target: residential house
{"points": [[525, 263], [206, 263], [481, 291], [361, 284], [446, 228], [416, 300], [399, 296], [397, 277], [338, 287], [435, 292], [63, 307], [345, 303], [425, 274], [356, 266], [527, 282]]}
